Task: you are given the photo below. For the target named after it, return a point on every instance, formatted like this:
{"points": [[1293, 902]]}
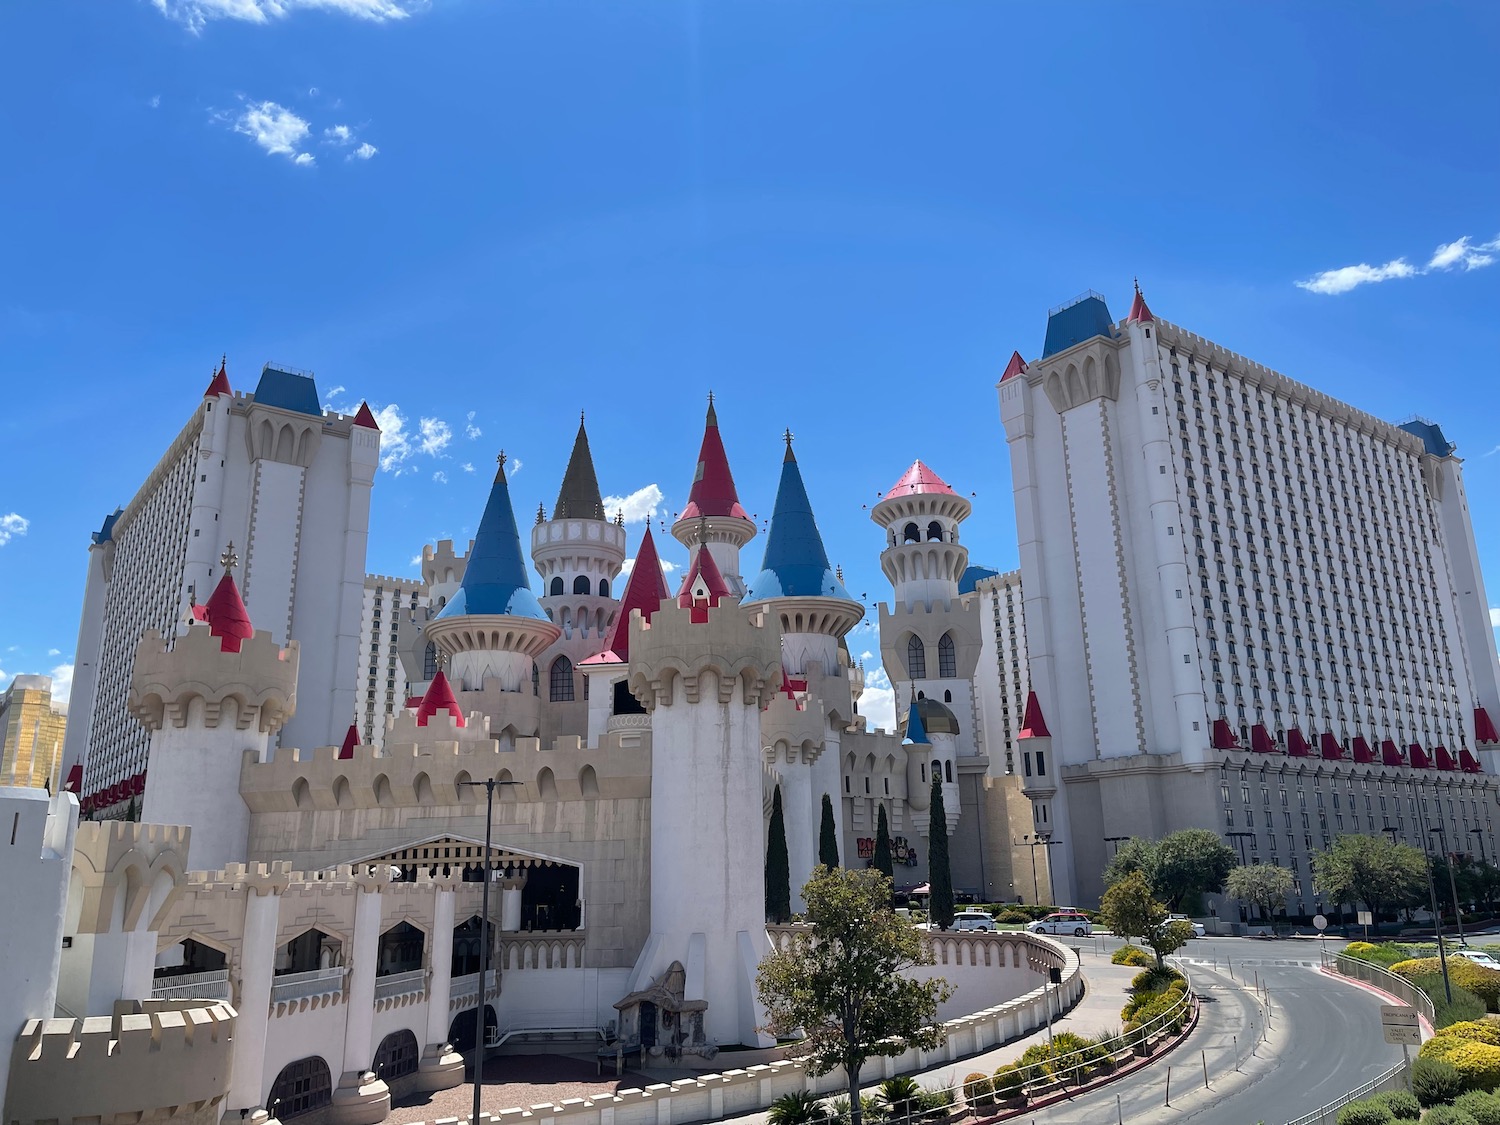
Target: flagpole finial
{"points": [[229, 560]]}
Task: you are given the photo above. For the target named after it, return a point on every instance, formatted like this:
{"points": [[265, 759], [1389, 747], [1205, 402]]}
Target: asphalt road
{"points": [[1323, 1039]]}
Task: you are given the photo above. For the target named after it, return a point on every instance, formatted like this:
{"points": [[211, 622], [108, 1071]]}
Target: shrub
{"points": [[1012, 917], [936, 1102], [1447, 1115], [1480, 1031], [901, 1095], [1009, 1082], [1464, 1007], [1401, 1104], [1483, 983], [1143, 1009], [1154, 979], [1483, 1108], [797, 1109], [1385, 954], [869, 1105], [1368, 1112], [979, 1091], [1434, 1082], [1478, 1064], [1132, 955]]}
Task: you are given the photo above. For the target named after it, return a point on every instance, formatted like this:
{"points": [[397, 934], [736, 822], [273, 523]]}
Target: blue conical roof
{"points": [[495, 579], [796, 565], [916, 732]]}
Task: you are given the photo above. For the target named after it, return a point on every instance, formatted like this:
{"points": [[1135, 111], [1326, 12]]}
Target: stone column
{"points": [[441, 1066], [510, 903], [252, 994], [361, 1098]]}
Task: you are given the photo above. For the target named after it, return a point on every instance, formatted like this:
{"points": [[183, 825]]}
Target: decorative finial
{"points": [[229, 560], [580, 417], [786, 436], [541, 514], [710, 398], [1137, 286], [838, 572], [620, 518], [500, 460]]}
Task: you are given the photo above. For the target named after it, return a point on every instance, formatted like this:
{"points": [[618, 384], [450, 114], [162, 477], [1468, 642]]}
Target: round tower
{"points": [[442, 572], [220, 690], [702, 669], [923, 558], [493, 628], [713, 514]]}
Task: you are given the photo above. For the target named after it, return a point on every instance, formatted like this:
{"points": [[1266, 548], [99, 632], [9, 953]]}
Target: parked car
{"points": [[973, 920], [1063, 922], [1198, 930], [1476, 957]]}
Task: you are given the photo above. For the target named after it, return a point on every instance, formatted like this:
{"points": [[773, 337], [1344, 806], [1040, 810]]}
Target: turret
{"points": [[442, 572], [713, 514], [923, 558], [223, 688], [610, 703], [203, 543], [493, 628]]}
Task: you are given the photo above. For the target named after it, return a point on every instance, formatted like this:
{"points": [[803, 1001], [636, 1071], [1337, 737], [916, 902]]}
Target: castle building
{"points": [[1248, 606], [32, 728], [271, 471], [1002, 678]]}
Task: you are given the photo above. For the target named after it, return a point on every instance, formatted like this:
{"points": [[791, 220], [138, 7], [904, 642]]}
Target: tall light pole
{"points": [[489, 785], [1036, 894], [1458, 917], [1437, 915]]}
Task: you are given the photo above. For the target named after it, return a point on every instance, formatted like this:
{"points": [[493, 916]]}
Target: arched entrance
{"points": [[301, 1087]]}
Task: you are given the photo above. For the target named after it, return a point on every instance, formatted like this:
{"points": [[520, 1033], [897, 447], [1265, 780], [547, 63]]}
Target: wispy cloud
{"points": [[344, 136], [196, 14], [440, 477], [629, 564], [471, 431], [399, 444], [467, 466], [436, 434], [363, 152], [1495, 617], [12, 526], [1462, 253], [642, 504], [276, 129], [62, 685], [154, 101], [878, 704]]}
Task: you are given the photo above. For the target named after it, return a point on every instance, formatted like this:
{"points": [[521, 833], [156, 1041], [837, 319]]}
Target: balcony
{"points": [[304, 986], [465, 989], [400, 984], [192, 986], [629, 722]]}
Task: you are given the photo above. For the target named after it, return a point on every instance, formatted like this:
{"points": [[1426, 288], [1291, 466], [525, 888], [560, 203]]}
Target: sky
{"points": [[485, 216]]}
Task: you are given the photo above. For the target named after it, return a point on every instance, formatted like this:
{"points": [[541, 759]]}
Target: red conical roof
{"points": [[226, 615], [439, 697], [364, 418], [704, 581], [220, 384], [351, 740], [918, 479], [645, 591], [1016, 366], [1138, 309], [1034, 722], [713, 491]]}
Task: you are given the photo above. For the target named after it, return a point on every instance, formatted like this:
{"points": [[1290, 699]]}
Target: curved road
{"points": [[1323, 1039]]}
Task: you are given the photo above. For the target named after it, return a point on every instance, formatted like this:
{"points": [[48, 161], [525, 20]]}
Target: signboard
{"points": [[1400, 1024], [1320, 923], [1366, 918]]}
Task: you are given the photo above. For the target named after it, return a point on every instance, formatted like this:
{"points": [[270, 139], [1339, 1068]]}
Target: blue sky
{"points": [[839, 216]]}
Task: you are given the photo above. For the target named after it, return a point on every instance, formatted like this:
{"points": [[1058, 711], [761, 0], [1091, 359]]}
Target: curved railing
{"points": [[1395, 1077]]}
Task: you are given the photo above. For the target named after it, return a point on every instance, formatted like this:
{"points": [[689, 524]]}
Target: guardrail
{"points": [[302, 986], [399, 984], [1395, 1077], [192, 986]]}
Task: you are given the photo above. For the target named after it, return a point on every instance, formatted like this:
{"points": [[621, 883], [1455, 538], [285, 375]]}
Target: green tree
{"points": [[1374, 870], [843, 986], [778, 866], [1179, 866], [1262, 885], [1129, 909], [939, 872], [883, 846], [828, 840]]}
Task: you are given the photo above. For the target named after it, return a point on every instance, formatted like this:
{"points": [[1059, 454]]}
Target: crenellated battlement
{"points": [[260, 681], [441, 564], [735, 643]]}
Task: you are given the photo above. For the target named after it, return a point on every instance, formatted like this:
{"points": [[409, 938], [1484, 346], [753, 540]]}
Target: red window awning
{"points": [[1330, 747], [1444, 759], [1362, 751], [1390, 754], [1468, 763], [1223, 736], [1418, 757], [1484, 730], [1260, 740], [1296, 744]]}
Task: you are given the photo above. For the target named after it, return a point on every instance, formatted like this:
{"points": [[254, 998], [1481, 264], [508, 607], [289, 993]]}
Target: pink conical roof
{"points": [[713, 491], [227, 617], [645, 591], [918, 479], [1016, 366], [704, 580], [220, 384], [1138, 309], [439, 697], [1034, 724]]}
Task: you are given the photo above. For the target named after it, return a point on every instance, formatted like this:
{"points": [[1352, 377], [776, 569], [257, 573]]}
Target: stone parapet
{"points": [[733, 642], [260, 680], [114, 858]]}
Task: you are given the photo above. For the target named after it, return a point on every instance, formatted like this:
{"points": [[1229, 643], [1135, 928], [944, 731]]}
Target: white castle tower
{"points": [[713, 514], [803, 728], [703, 669], [220, 690]]}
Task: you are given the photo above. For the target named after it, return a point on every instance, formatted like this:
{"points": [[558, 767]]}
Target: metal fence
{"points": [[212, 985]]}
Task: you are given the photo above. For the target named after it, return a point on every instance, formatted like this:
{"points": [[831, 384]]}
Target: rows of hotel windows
{"points": [[1310, 808], [1010, 627], [144, 593], [383, 652], [1325, 534]]}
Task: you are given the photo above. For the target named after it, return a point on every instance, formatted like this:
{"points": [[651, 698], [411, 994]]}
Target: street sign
{"points": [[1366, 918], [1320, 922], [1400, 1024]]}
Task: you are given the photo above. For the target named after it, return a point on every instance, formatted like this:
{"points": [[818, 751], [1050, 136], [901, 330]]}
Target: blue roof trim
{"points": [[288, 391], [1072, 324], [106, 532], [916, 733], [495, 579], [795, 565], [1432, 436], [972, 576]]}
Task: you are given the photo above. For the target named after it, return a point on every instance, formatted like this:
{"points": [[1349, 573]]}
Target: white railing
{"points": [[399, 984], [192, 986], [466, 987], [301, 986], [629, 722]]}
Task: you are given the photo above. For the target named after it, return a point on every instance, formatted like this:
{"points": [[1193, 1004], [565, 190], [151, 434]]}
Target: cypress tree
{"points": [[939, 875], [778, 866], [883, 847], [828, 841]]}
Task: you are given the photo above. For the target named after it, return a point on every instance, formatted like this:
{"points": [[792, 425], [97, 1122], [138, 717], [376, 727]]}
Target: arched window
{"points": [[935, 532], [429, 661], [947, 697], [604, 587], [581, 584], [555, 587], [948, 772], [301, 1087], [911, 534], [561, 680], [536, 679], [947, 662], [916, 659]]}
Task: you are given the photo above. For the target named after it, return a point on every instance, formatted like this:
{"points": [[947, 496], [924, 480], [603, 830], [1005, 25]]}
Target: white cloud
{"points": [[629, 564], [339, 135], [54, 652], [440, 477], [395, 442], [1462, 253], [416, 560], [1495, 617], [195, 14], [642, 504], [467, 466], [155, 101], [62, 685], [303, 159], [513, 466], [12, 526], [275, 128], [878, 703], [331, 394], [363, 152], [436, 434]]}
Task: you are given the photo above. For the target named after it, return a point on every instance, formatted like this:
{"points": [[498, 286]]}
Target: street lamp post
{"points": [[1458, 916], [489, 785], [1437, 915]]}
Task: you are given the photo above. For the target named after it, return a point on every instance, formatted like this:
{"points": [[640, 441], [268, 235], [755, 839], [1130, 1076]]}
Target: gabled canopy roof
{"points": [[795, 564], [916, 480], [713, 491], [704, 581], [495, 580], [579, 497]]}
